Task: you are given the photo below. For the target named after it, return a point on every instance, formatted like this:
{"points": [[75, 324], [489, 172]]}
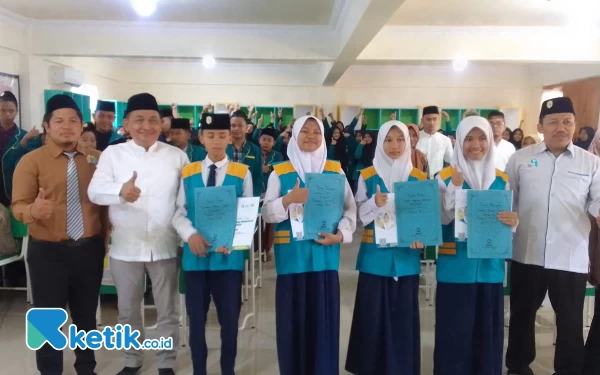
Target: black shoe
{"points": [[166, 371], [129, 370]]}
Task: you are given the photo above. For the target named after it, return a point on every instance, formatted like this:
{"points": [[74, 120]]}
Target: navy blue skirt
{"points": [[469, 329], [308, 323], [385, 338]]}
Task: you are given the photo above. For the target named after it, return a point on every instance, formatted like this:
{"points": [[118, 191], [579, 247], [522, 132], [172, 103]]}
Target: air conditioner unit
{"points": [[61, 75]]}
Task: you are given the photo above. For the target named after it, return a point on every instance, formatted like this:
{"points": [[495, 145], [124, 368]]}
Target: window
{"points": [[88, 90]]}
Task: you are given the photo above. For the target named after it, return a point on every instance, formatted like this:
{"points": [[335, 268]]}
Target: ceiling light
{"points": [[459, 63], [144, 8], [209, 62]]}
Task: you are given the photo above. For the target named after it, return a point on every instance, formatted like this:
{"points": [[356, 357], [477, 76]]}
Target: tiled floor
{"points": [[257, 351]]}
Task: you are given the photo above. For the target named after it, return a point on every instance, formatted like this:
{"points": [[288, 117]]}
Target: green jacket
{"points": [[10, 159], [195, 153], [271, 158], [252, 157]]}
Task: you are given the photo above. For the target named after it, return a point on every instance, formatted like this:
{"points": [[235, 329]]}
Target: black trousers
{"points": [[592, 345], [566, 290], [67, 274], [225, 289]]}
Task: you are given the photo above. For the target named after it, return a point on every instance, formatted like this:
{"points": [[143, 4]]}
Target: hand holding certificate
{"points": [[386, 233], [488, 236], [325, 206], [215, 215], [418, 213]]}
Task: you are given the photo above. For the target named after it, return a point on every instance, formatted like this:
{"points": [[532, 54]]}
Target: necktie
{"points": [[74, 215], [212, 176]]}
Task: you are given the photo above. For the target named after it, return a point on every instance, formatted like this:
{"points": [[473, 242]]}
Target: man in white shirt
{"points": [[139, 181], [437, 147], [504, 149], [555, 185]]}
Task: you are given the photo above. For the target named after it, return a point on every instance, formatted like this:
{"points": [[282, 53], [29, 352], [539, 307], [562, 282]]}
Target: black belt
{"points": [[68, 243]]}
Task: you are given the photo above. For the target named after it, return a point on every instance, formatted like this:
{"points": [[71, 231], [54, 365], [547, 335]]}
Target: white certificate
{"points": [[386, 233], [460, 215], [247, 214]]}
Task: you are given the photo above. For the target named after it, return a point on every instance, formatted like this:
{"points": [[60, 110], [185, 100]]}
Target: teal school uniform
{"points": [[469, 331], [307, 295], [252, 157], [10, 158], [217, 275], [385, 333]]}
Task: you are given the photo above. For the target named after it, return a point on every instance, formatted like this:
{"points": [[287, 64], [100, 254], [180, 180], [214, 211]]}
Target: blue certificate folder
{"points": [[488, 236], [418, 213], [325, 206], [216, 215]]}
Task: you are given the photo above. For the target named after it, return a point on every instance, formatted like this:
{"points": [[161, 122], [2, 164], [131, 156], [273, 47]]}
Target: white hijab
{"points": [[306, 162], [479, 174], [388, 169]]}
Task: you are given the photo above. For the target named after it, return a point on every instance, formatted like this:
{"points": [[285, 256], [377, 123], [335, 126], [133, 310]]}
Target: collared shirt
{"points": [[238, 154], [504, 151], [46, 168], [141, 231], [182, 224], [437, 148], [551, 195]]}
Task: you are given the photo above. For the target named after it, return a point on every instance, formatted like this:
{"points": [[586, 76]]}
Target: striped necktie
{"points": [[74, 215]]}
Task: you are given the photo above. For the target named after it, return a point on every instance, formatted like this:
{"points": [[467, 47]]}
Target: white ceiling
{"points": [[488, 12], [287, 12]]}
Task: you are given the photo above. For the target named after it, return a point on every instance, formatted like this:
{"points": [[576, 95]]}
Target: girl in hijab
{"points": [[469, 315], [507, 135], [528, 141], [385, 335], [517, 138], [307, 296], [586, 134], [336, 149], [419, 160], [595, 144]]}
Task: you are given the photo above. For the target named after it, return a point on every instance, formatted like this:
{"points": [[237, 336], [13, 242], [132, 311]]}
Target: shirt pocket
{"points": [[578, 182]]}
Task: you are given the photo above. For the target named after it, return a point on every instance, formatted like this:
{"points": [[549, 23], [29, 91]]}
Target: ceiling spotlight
{"points": [[209, 62], [144, 8], [459, 63]]}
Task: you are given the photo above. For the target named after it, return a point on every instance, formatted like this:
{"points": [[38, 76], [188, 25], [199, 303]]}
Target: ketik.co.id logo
{"points": [[43, 325]]}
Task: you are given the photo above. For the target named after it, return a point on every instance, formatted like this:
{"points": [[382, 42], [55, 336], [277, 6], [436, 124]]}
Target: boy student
{"points": [[269, 156], [211, 274], [13, 143], [241, 151], [180, 135], [139, 181], [504, 149], [104, 117]]}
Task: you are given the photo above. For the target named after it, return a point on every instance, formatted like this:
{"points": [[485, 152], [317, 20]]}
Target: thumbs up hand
{"points": [[129, 192], [41, 209], [298, 195], [380, 198], [458, 179]]}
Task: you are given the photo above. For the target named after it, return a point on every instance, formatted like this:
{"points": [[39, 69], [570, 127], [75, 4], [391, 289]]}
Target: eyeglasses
{"points": [[496, 124]]}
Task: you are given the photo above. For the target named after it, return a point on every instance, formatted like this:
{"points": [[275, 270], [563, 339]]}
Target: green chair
{"points": [[19, 232]]}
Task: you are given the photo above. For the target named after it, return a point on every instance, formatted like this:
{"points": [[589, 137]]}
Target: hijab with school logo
{"points": [[392, 170], [306, 162], [478, 174]]}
